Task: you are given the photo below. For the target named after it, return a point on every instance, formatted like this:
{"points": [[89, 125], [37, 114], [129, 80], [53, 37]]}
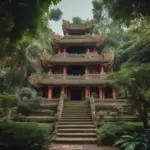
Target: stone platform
{"points": [[79, 147]]}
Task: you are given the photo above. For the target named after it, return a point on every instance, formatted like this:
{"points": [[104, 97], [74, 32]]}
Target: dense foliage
{"points": [[127, 10], [31, 136], [110, 132], [19, 17]]}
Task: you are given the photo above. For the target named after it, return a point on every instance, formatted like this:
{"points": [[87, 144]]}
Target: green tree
{"points": [[55, 14], [78, 20], [8, 103], [127, 10], [136, 82], [104, 25], [19, 17]]}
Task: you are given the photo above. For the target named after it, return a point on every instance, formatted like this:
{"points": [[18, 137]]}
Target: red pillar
{"points": [[87, 50], [89, 92], [50, 69], [100, 93], [86, 92], [101, 70], [49, 93], [103, 93], [59, 51], [65, 70], [64, 50], [86, 70], [63, 90], [113, 93]]}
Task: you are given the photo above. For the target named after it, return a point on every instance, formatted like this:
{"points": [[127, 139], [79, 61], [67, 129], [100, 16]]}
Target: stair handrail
{"points": [[92, 105], [60, 107]]}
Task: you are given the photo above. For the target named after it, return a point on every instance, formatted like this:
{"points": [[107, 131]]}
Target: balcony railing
{"points": [[36, 79], [101, 76], [89, 54]]}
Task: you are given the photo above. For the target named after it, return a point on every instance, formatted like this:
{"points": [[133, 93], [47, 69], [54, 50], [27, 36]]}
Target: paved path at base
{"points": [[79, 147]]}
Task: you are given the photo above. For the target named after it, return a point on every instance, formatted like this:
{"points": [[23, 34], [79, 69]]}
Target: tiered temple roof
{"points": [[69, 28], [59, 42]]}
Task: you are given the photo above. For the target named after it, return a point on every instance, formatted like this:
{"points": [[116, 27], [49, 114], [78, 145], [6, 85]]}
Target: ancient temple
{"points": [[79, 66]]}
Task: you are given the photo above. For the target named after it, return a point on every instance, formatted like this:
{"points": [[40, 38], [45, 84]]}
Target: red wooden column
{"points": [[87, 50], [89, 92], [63, 90], [65, 50], [86, 70], [50, 70], [49, 93], [101, 70], [59, 51], [86, 91], [100, 93], [65, 70], [113, 93], [103, 91]]}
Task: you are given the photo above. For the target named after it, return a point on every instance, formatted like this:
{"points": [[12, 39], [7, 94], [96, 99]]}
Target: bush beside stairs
{"points": [[76, 125]]}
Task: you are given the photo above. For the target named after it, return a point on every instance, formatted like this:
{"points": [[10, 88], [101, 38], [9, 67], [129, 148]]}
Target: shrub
{"points": [[24, 136], [94, 95], [8, 102], [100, 115], [28, 107], [136, 141], [111, 131], [27, 93]]}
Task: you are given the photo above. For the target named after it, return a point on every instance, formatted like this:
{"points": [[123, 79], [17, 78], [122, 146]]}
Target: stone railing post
{"points": [[60, 107], [92, 106]]}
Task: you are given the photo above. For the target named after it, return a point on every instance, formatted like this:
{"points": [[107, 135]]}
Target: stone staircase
{"points": [[76, 125]]}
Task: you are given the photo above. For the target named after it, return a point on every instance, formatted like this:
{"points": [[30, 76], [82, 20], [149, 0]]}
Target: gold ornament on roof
{"points": [[34, 79], [45, 55], [56, 36]]}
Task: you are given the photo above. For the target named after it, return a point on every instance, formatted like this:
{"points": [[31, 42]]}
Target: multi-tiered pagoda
{"points": [[78, 68]]}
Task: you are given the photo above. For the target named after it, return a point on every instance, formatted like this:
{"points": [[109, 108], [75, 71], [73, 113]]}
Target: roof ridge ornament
{"points": [[56, 36]]}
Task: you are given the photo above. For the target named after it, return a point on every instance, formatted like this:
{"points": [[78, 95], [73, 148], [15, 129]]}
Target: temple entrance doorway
{"points": [[76, 50], [76, 94], [56, 92], [108, 92], [76, 70]]}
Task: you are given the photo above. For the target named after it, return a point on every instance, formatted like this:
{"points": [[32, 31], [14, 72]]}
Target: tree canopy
{"points": [[127, 10], [19, 17]]}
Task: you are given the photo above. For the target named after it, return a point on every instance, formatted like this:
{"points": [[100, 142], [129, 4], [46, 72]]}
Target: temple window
{"points": [[76, 70], [108, 92], [76, 50]]}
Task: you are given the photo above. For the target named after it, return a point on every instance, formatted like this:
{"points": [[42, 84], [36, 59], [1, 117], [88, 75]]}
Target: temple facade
{"points": [[79, 67]]}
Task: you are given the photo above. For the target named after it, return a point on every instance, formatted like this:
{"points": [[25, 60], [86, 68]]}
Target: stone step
{"points": [[76, 117], [75, 126], [77, 113], [76, 105], [75, 110], [75, 140], [76, 134], [75, 123], [77, 130], [45, 112], [76, 120], [40, 118], [49, 106]]}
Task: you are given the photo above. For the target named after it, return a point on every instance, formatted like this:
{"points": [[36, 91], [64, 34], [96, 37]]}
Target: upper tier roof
{"points": [[59, 42], [69, 28]]}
